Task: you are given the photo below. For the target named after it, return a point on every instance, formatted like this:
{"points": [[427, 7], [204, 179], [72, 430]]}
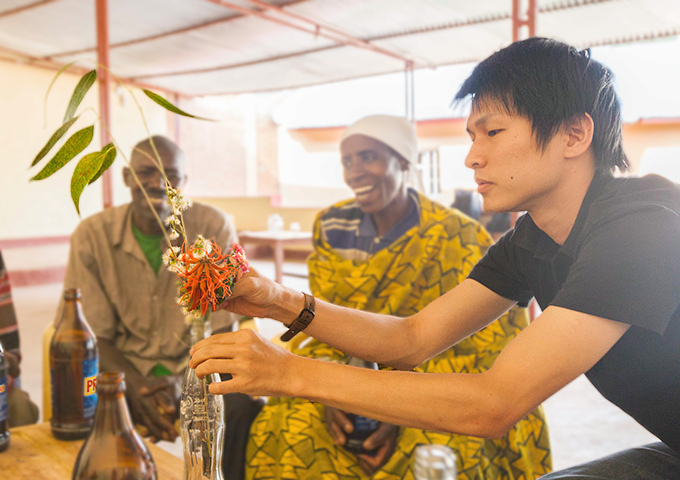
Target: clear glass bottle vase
{"points": [[201, 419]]}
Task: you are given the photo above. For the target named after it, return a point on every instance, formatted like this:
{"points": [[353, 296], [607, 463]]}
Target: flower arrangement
{"points": [[206, 275]]}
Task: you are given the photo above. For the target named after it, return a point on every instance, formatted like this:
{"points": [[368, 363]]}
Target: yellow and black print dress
{"points": [[289, 439]]}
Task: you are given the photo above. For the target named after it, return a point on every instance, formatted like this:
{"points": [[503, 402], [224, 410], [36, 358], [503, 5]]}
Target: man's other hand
{"points": [[153, 404]]}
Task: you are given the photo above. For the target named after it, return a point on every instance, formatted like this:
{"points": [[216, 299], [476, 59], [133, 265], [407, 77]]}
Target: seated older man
{"points": [[129, 298]]}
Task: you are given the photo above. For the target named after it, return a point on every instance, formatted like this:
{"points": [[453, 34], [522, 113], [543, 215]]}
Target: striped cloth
{"points": [[9, 330], [354, 236]]}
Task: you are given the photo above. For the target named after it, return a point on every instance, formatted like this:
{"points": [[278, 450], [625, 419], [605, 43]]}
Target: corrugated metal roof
{"points": [[198, 47]]}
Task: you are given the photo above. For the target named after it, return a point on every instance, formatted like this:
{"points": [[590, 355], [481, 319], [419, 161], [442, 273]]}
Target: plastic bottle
{"points": [[74, 364], [4, 395], [114, 450], [363, 426], [434, 462], [201, 420]]}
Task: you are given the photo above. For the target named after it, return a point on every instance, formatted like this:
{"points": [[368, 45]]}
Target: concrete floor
{"points": [[583, 426]]}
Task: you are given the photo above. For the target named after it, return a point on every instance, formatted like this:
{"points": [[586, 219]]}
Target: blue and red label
{"points": [[90, 370], [3, 399]]}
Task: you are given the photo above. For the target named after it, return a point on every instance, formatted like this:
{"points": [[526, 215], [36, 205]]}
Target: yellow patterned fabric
{"points": [[289, 439]]}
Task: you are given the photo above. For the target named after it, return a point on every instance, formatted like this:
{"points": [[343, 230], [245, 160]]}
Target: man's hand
{"points": [[257, 296], [153, 404], [257, 366], [13, 369], [337, 425], [384, 439]]}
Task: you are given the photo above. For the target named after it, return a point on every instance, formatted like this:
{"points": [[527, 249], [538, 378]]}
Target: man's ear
{"points": [[127, 177], [579, 135], [183, 181]]}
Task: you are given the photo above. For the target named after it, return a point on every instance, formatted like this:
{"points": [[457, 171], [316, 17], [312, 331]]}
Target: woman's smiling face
{"points": [[373, 171]]}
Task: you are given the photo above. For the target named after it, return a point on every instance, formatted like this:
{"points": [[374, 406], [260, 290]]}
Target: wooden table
{"points": [[35, 454], [278, 240]]}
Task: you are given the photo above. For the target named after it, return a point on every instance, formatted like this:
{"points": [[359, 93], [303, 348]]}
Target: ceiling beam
{"points": [[151, 38], [234, 65], [343, 37], [444, 26], [30, 6], [309, 26]]}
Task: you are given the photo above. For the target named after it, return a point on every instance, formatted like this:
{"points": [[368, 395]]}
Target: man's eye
{"points": [[493, 133]]}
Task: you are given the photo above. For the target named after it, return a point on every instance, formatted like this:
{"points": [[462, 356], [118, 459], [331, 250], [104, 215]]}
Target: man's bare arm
{"points": [[399, 342], [557, 347]]}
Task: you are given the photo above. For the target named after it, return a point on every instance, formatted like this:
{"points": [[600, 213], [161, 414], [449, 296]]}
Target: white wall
{"points": [[44, 208]]}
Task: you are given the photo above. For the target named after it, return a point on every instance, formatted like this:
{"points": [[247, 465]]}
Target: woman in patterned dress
{"points": [[391, 250]]}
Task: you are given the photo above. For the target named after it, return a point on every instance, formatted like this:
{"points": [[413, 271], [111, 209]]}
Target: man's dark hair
{"points": [[551, 83]]}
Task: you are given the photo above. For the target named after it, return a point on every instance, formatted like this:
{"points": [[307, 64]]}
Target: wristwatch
{"points": [[302, 321]]}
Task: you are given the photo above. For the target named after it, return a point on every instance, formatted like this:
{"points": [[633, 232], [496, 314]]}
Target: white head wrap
{"points": [[397, 133]]}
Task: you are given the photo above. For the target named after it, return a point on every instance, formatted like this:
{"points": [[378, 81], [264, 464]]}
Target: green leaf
{"points": [[169, 106], [73, 146], [109, 156], [81, 89], [47, 93], [87, 167], [53, 139]]}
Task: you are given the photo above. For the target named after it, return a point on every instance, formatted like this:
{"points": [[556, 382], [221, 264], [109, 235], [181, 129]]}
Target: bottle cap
{"points": [[435, 462], [111, 382], [71, 294]]}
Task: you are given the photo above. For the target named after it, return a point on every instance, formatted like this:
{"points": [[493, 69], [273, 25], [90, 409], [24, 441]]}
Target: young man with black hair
{"points": [[600, 254]]}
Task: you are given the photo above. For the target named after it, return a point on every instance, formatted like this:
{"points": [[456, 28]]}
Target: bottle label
{"points": [[3, 399], [90, 370]]}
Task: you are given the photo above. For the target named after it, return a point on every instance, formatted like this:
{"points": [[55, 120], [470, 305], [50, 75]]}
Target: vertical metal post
{"points": [[523, 15], [409, 91], [174, 120], [104, 90]]}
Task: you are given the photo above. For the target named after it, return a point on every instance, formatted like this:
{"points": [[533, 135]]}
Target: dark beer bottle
{"points": [[363, 427], [74, 364], [114, 450], [4, 396]]}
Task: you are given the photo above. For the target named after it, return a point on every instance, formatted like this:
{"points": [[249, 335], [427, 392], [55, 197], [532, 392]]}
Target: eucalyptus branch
{"points": [[137, 180], [206, 274]]}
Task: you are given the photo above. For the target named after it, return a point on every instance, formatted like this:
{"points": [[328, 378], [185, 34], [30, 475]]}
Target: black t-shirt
{"points": [[621, 261]]}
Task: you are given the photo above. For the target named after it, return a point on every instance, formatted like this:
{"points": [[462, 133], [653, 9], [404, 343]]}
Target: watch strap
{"points": [[302, 321]]}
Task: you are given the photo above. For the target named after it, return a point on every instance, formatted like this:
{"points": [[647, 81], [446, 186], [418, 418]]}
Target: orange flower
{"points": [[206, 275]]}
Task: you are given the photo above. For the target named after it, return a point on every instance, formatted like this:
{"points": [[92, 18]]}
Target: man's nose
{"points": [[475, 159], [353, 168], [154, 180]]}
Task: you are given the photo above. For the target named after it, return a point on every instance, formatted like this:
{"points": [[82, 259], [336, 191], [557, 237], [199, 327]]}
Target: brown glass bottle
{"points": [[74, 364], [114, 450], [4, 395]]}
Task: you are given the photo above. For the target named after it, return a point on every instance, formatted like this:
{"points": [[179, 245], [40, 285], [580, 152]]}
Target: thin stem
{"points": [[139, 183], [159, 163]]}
